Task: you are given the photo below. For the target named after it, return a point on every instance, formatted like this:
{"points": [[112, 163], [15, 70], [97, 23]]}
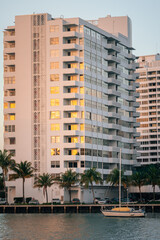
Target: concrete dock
{"points": [[74, 208]]}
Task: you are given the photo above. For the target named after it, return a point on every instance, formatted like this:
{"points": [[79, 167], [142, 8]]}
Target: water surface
{"points": [[78, 227]]}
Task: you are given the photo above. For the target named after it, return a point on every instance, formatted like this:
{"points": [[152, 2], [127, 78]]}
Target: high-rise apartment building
{"points": [[69, 98], [149, 109]]}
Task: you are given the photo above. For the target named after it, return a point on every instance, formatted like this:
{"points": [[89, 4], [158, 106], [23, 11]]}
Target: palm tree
{"points": [[126, 181], [153, 176], [113, 178], [138, 179], [67, 180], [44, 181], [1, 183], [89, 177], [6, 163], [22, 170]]}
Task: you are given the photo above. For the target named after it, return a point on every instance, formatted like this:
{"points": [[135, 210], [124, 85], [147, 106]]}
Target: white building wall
{"points": [[110, 81]]}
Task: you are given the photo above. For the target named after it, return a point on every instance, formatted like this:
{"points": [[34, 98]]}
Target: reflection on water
{"points": [[78, 227]]}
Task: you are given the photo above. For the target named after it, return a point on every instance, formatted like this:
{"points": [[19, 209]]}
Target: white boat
{"points": [[122, 211]]}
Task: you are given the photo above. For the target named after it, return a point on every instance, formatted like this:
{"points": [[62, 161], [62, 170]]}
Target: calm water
{"points": [[77, 226]]}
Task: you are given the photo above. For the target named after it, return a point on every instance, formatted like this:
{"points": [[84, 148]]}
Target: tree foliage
{"points": [[6, 163], [22, 170], [68, 180], [44, 181], [89, 177]]}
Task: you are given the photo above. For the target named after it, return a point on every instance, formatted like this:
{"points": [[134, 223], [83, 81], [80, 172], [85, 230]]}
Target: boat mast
{"points": [[120, 163]]}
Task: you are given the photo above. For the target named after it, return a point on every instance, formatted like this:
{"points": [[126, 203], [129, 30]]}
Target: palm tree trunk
{"points": [[4, 184], [92, 191], [5, 189], [154, 197], [23, 190], [140, 193], [46, 195], [69, 190]]}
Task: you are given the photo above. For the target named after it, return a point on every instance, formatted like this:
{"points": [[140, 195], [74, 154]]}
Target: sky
{"points": [[143, 13]]}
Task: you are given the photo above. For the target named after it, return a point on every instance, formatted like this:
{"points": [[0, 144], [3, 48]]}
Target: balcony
{"points": [[72, 108], [137, 94], [9, 50], [112, 58], [9, 38], [70, 95], [71, 132], [71, 71], [9, 62], [72, 83], [113, 47], [71, 46], [131, 77], [72, 120], [71, 59], [113, 70], [71, 145], [136, 104], [72, 157], [114, 81], [114, 92], [136, 114], [71, 34], [130, 56]]}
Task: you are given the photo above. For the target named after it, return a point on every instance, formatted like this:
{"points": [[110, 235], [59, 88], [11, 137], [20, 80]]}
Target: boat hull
{"points": [[111, 213]]}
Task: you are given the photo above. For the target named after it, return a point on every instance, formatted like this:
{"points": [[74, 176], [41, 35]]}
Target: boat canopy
{"points": [[121, 209]]}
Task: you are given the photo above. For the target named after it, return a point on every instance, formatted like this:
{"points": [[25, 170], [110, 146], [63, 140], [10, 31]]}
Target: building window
{"points": [[54, 28], [54, 115], [54, 77], [72, 164], [73, 102], [82, 127], [82, 164], [81, 102], [74, 114], [73, 139], [73, 127], [9, 128], [12, 105], [55, 164], [81, 90], [12, 117], [73, 152], [5, 104], [12, 151], [54, 53], [54, 102], [55, 139], [82, 139], [12, 141], [54, 41], [82, 78], [55, 151], [54, 90], [55, 127], [54, 65]]}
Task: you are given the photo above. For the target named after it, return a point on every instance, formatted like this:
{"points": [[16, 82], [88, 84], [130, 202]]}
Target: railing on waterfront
{"points": [[74, 208]]}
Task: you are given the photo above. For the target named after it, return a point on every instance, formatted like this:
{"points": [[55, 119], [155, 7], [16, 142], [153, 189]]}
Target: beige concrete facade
{"points": [[149, 105], [69, 98]]}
